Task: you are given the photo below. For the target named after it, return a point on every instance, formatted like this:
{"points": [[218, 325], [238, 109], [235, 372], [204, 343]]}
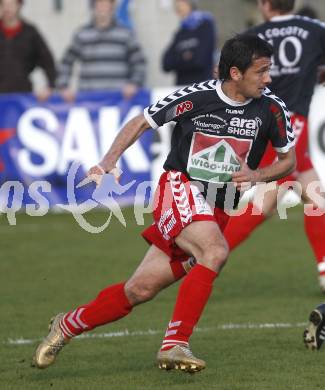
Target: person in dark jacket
{"points": [[22, 49], [192, 50]]}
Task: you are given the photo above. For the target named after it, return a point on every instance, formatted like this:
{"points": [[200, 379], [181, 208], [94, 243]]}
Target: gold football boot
{"points": [[180, 358], [49, 348]]}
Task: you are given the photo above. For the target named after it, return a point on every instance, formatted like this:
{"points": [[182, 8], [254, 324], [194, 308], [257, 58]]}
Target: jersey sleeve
{"points": [[280, 129], [178, 104]]}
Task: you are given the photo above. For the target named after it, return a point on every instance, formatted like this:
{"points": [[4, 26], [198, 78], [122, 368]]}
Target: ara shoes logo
{"points": [[214, 159]]}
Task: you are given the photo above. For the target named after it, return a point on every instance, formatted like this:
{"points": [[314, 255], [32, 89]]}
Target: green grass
{"points": [[49, 265]]}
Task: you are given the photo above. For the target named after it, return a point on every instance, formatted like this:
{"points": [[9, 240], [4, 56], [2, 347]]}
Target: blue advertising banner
{"points": [[40, 142]]}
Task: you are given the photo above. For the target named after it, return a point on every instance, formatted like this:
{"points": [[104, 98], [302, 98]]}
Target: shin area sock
{"points": [[192, 297], [315, 230], [110, 305]]}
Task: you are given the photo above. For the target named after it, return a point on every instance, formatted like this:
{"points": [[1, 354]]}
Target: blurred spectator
{"points": [[22, 49], [192, 51], [109, 55]]}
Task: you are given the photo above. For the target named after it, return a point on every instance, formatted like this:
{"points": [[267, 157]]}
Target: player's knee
{"points": [[215, 256], [137, 292]]}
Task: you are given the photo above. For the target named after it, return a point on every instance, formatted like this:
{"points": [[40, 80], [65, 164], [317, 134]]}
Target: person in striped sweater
{"points": [[109, 55]]}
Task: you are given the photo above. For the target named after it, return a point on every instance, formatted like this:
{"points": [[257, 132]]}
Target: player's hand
{"points": [[246, 177], [96, 174]]}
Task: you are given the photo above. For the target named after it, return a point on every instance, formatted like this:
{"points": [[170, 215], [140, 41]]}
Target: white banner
{"points": [[317, 131]]}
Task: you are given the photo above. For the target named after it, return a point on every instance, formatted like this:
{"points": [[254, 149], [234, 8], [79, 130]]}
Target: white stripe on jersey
{"points": [[315, 21], [204, 86]]}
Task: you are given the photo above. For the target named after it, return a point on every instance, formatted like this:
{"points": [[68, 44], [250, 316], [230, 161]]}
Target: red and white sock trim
{"points": [[167, 344], [71, 325], [170, 331], [66, 332]]}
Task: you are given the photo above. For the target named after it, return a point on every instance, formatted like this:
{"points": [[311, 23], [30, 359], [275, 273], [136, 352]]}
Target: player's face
{"points": [[256, 78], [9, 9]]}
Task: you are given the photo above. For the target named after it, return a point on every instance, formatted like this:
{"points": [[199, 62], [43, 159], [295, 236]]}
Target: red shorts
{"points": [[177, 203], [300, 127]]}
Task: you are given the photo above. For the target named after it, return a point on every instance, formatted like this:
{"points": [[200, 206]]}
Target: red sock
{"points": [[315, 230], [240, 227], [192, 297], [110, 305]]}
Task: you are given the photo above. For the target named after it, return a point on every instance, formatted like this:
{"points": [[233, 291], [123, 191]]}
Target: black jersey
{"points": [[212, 131], [299, 46]]}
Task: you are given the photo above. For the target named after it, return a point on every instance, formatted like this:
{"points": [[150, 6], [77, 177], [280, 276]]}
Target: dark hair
{"points": [[240, 52], [282, 5]]}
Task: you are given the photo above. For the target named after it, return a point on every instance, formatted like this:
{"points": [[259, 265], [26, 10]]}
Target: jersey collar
{"points": [[282, 18], [227, 99]]}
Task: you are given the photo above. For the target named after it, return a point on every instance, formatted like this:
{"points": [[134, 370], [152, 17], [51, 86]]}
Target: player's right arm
{"points": [[171, 108], [129, 133]]}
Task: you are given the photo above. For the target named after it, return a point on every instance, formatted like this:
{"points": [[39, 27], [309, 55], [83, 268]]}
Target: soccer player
{"points": [[222, 128], [299, 46]]}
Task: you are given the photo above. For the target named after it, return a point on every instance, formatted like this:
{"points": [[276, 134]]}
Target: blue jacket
{"points": [[191, 53]]}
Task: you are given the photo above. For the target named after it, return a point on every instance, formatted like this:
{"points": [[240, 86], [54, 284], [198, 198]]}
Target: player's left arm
{"points": [[285, 164], [282, 138]]}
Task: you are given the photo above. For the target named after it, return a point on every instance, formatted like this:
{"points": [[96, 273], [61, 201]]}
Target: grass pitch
{"points": [[50, 264]]}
